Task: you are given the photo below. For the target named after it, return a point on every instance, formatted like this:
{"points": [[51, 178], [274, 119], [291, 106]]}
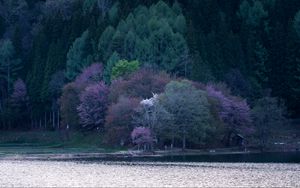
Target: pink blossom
{"points": [[141, 135], [233, 111], [93, 105], [90, 75]]}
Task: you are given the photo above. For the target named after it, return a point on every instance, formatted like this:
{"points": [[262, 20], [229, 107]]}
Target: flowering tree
{"points": [[233, 112], [152, 114], [118, 122], [93, 105], [90, 75], [70, 99], [142, 83], [141, 136]]}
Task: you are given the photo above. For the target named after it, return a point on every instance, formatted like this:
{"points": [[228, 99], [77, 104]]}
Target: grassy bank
{"points": [[34, 142]]}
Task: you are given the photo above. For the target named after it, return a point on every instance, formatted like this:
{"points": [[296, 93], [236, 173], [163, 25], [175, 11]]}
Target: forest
{"points": [[185, 73]]}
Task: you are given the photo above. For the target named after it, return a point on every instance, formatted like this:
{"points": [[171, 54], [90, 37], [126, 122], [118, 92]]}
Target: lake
{"points": [[188, 171]]}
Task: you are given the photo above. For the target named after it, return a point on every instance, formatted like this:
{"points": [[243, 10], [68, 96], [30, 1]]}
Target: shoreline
{"points": [[122, 155]]}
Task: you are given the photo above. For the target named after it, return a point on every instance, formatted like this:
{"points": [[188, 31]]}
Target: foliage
{"points": [[109, 66], [252, 45], [57, 83], [252, 14], [123, 68], [78, 57], [234, 112], [68, 104], [268, 114], [143, 83], [8, 64], [190, 110], [141, 136], [237, 83], [19, 103], [150, 113], [151, 35], [119, 120], [93, 106], [19, 96], [297, 23], [90, 75]]}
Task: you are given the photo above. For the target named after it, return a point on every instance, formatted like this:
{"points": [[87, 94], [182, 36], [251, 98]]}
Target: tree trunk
{"points": [[53, 120], [8, 77], [50, 118], [184, 142], [45, 123], [31, 123], [58, 125]]}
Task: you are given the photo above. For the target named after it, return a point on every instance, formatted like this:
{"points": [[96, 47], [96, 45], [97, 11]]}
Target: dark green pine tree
{"points": [[79, 56], [55, 61], [9, 64], [292, 74], [36, 74], [104, 44], [17, 41]]}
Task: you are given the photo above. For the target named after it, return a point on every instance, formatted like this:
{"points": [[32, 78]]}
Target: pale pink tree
{"points": [[141, 136], [93, 106]]}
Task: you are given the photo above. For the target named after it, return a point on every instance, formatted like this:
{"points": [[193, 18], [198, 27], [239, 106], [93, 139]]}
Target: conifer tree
{"points": [[78, 56]]}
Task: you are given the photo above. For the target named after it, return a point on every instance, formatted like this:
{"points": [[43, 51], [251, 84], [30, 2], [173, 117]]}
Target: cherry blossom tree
{"points": [[118, 124], [142, 83], [141, 136], [93, 106], [70, 99], [152, 114], [90, 75], [234, 112]]}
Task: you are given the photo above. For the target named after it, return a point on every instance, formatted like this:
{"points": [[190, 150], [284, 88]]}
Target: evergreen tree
{"points": [[104, 44], [9, 65], [78, 56], [112, 61], [55, 61]]}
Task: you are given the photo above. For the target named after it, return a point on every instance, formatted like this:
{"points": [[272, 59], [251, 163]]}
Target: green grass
{"points": [[51, 142]]}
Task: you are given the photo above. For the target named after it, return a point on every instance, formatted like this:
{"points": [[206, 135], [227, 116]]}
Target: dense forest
{"points": [[185, 71]]}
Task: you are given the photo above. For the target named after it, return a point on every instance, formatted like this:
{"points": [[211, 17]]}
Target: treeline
{"points": [[252, 46]]}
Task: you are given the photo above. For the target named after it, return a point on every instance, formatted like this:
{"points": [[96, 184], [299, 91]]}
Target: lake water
{"points": [[109, 173]]}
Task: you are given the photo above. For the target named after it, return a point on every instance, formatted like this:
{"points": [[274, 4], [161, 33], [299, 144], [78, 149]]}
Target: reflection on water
{"points": [[146, 174]]}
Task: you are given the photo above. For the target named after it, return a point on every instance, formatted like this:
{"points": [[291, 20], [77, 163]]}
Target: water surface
{"points": [[146, 174]]}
